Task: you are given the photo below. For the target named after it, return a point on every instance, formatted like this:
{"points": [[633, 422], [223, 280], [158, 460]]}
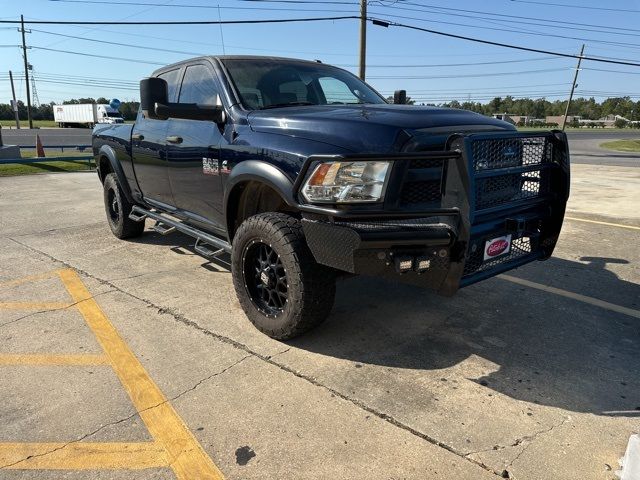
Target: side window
{"points": [[171, 77], [198, 86], [336, 91]]}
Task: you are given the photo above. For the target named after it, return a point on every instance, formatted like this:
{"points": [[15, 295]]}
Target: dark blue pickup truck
{"points": [[303, 172]]}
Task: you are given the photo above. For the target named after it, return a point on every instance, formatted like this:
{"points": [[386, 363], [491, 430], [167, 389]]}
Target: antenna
{"points": [[221, 34], [34, 93]]}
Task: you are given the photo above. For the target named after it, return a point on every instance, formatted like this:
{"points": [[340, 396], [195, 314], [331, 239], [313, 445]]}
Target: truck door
{"points": [[148, 142], [193, 148]]}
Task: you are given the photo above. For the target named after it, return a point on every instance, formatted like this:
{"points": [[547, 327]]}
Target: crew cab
{"points": [[303, 172]]}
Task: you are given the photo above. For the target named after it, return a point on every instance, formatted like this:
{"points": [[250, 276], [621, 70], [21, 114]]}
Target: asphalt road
{"points": [[584, 145], [48, 136], [133, 360], [585, 149]]}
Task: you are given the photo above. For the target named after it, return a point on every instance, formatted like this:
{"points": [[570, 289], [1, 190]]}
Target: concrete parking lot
{"points": [[133, 359]]}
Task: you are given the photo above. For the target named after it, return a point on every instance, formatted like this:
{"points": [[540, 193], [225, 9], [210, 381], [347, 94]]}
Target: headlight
{"points": [[347, 182]]}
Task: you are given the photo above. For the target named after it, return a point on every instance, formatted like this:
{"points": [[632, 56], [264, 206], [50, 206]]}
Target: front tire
{"points": [[281, 288], [118, 209]]}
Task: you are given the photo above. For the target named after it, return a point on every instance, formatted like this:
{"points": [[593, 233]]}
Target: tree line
{"points": [[129, 109], [587, 108]]}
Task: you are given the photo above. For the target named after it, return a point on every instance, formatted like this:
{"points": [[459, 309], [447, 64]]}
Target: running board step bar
{"points": [[162, 229], [165, 225], [205, 251]]}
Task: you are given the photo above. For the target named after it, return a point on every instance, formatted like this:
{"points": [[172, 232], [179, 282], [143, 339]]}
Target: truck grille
{"points": [[517, 158], [418, 191], [510, 152]]}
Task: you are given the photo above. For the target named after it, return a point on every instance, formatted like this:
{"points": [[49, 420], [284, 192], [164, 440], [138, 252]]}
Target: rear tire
{"points": [[118, 209], [281, 288]]}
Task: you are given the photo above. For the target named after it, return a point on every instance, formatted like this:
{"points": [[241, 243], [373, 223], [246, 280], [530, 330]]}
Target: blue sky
{"points": [[431, 68]]}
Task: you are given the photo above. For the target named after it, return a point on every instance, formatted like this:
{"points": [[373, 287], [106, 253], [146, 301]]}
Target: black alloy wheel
{"points": [[113, 205], [265, 278]]}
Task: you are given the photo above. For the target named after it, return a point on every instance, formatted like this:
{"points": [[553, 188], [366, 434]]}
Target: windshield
{"points": [[114, 114], [279, 83]]}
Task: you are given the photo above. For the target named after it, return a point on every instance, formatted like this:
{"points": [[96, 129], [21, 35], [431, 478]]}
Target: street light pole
{"points": [[26, 71], [573, 87], [363, 38], [14, 105]]}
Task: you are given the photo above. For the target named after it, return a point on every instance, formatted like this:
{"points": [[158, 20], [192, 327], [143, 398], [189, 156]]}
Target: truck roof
{"points": [[229, 57]]}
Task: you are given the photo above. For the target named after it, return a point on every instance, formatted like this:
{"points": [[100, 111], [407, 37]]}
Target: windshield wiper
{"points": [[288, 104]]}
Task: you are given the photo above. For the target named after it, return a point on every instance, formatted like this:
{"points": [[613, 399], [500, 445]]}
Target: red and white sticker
{"points": [[497, 246]]}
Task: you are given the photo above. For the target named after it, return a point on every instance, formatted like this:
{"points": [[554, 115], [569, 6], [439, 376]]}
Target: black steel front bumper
{"points": [[442, 207]]}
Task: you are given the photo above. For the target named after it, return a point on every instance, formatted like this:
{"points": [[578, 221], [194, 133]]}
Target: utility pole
{"points": [[26, 71], [363, 38], [573, 87], [14, 106]]}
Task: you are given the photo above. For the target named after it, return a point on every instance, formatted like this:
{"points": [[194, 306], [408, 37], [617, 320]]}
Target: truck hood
{"points": [[369, 128]]}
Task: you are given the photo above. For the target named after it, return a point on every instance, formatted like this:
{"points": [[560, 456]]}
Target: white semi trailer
{"points": [[85, 115]]}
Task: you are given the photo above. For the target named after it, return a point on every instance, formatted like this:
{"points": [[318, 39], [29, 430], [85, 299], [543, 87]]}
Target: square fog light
{"points": [[423, 264], [403, 263]]}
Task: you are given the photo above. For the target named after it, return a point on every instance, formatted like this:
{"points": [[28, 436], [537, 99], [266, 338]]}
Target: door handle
{"points": [[174, 139], [137, 136]]}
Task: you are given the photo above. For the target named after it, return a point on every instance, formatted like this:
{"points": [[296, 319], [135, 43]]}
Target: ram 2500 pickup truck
{"points": [[302, 172]]}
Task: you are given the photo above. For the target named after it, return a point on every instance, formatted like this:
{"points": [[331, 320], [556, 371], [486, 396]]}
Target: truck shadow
{"points": [[182, 244], [546, 348]]}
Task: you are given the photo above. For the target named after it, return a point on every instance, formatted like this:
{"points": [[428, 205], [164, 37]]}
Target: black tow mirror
{"points": [[152, 91], [154, 103], [400, 97]]}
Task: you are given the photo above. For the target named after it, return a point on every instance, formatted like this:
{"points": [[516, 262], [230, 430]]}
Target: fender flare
{"points": [[107, 152], [262, 172]]}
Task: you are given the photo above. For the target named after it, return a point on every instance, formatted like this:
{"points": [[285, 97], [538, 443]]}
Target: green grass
{"points": [[46, 167], [622, 145], [25, 124], [577, 130]]}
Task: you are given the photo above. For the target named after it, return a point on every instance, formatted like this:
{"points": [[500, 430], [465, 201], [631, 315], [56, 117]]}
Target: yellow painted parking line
{"points": [[52, 360], [574, 296], [30, 278], [34, 305], [185, 455], [82, 456], [621, 225]]}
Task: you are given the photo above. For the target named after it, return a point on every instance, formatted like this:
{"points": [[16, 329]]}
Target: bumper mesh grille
{"points": [[511, 152], [520, 247], [491, 155], [494, 191], [422, 191]]}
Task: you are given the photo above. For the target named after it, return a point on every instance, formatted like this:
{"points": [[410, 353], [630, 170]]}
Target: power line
{"points": [[516, 18], [471, 75], [609, 71], [508, 45], [186, 22], [214, 7], [58, 76], [346, 17], [176, 40], [451, 9], [520, 31], [98, 56], [497, 62], [484, 89], [108, 42], [577, 6]]}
